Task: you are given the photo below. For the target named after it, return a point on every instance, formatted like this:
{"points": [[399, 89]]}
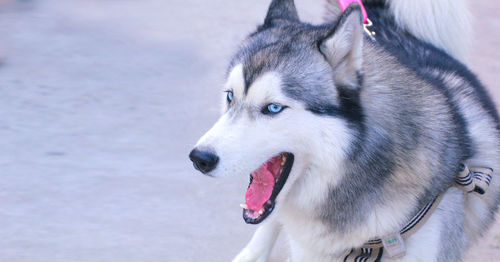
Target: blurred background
{"points": [[100, 104]]}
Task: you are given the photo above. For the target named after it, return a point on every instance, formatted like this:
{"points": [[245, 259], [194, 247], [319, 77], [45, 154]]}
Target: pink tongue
{"points": [[263, 180]]}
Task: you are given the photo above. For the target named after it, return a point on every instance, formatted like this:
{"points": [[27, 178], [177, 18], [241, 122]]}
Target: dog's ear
{"points": [[342, 46], [281, 10]]}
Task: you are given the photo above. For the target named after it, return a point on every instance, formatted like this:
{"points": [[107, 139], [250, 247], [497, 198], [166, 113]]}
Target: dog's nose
{"points": [[204, 161]]}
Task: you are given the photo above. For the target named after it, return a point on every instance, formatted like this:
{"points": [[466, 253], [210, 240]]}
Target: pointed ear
{"points": [[281, 9], [342, 47]]}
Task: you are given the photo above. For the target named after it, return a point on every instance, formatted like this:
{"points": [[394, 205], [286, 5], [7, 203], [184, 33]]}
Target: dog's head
{"points": [[291, 103]]}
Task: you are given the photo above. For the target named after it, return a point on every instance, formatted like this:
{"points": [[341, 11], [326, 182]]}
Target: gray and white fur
{"points": [[378, 129]]}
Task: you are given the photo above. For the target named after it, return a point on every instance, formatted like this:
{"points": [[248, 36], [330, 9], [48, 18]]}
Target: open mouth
{"points": [[265, 184]]}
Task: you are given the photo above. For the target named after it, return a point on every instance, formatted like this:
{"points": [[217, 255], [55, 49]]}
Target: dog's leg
{"points": [[259, 248]]}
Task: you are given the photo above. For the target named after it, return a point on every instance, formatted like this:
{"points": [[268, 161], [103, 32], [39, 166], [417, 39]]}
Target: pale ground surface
{"points": [[100, 103]]}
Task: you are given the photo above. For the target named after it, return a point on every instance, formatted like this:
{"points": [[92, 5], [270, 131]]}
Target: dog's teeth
{"points": [[261, 212], [244, 206]]}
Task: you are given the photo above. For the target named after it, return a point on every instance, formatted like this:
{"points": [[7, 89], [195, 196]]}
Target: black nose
{"points": [[204, 161]]}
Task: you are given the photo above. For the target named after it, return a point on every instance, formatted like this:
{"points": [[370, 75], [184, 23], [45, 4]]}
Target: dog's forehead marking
{"points": [[265, 88], [236, 81]]}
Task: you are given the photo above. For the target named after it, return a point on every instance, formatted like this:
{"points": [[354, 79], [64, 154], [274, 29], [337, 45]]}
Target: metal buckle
{"points": [[367, 26]]}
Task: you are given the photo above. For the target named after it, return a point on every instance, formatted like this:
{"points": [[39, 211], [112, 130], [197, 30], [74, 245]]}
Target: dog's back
{"points": [[443, 30], [444, 23]]}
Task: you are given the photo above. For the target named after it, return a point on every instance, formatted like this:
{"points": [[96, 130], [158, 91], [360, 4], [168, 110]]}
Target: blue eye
{"points": [[229, 96], [272, 109]]}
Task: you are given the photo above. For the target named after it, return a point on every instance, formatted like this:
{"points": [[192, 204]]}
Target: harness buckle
{"points": [[394, 245]]}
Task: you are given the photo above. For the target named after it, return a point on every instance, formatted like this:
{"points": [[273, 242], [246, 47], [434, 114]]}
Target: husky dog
{"points": [[347, 136]]}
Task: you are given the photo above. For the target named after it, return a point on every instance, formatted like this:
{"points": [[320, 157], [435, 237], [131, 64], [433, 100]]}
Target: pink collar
{"points": [[345, 3]]}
